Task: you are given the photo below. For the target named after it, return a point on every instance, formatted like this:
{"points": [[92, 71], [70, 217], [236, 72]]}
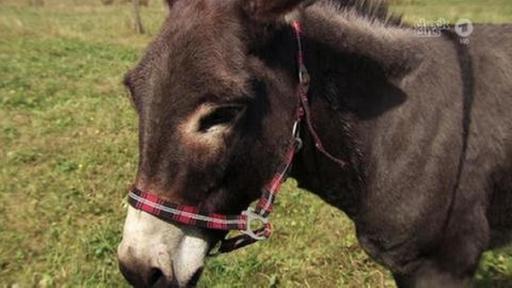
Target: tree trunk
{"points": [[137, 22]]}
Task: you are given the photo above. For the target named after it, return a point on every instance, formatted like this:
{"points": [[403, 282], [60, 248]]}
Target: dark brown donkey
{"points": [[425, 125]]}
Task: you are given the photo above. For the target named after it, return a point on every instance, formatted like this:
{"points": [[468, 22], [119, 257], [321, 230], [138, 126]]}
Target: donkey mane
{"points": [[371, 10]]}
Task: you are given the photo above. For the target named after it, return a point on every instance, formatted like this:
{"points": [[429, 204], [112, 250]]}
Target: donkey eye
{"points": [[223, 115]]}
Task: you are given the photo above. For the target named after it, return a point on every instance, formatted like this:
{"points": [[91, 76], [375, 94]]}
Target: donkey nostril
{"points": [[155, 275]]}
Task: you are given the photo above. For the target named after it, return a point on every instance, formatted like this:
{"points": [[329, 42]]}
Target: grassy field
{"points": [[68, 152]]}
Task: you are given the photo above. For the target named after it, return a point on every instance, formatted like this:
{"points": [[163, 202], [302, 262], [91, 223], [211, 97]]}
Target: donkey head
{"points": [[214, 121]]}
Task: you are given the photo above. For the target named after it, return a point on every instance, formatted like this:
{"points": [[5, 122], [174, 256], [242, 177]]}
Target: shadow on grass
{"points": [[494, 283], [493, 280]]}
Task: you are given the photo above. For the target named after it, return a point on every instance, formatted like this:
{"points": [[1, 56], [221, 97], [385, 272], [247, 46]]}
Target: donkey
{"points": [[423, 125]]}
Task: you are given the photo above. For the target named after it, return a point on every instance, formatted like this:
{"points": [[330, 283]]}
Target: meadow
{"points": [[68, 152]]}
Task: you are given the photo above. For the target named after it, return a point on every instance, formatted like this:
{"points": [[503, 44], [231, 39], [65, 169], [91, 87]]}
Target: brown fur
{"points": [[424, 123]]}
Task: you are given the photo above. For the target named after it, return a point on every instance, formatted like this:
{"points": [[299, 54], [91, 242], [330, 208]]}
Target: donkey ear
{"points": [[272, 9]]}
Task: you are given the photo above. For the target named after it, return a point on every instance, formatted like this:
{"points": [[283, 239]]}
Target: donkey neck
{"points": [[350, 89]]}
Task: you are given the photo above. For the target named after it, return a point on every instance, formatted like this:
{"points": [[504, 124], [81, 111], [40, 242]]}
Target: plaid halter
{"points": [[190, 215]]}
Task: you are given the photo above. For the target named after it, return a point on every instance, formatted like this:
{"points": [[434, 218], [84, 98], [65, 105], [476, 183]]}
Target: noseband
{"points": [[248, 219]]}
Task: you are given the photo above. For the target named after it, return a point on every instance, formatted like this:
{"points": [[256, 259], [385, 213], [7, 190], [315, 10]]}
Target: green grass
{"points": [[68, 152], [482, 11]]}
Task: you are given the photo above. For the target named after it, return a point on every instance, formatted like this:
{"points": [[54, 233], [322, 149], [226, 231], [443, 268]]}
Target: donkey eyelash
{"points": [[223, 115]]}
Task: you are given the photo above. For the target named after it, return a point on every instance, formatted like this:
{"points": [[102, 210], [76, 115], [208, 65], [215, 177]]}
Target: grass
{"points": [[68, 152], [481, 11]]}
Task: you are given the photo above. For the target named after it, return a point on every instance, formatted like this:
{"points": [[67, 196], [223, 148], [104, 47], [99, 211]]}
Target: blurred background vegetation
{"points": [[68, 152]]}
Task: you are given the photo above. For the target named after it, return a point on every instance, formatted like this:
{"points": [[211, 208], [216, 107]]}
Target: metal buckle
{"points": [[304, 75], [295, 133], [295, 129], [298, 144], [252, 216]]}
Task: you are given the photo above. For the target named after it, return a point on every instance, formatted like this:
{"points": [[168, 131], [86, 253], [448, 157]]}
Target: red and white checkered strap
{"points": [[183, 214], [191, 215]]}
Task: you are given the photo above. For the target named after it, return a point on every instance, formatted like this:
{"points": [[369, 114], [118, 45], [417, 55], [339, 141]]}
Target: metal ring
{"points": [[304, 77], [251, 216], [299, 143], [295, 129]]}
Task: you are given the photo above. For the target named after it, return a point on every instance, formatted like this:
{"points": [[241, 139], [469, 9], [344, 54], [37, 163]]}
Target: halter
{"points": [[258, 216]]}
